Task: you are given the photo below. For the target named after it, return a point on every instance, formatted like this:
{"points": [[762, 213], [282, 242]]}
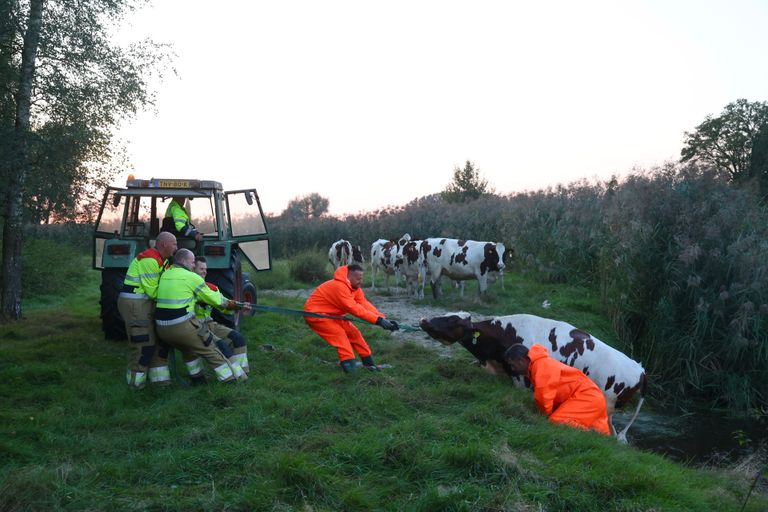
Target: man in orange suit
{"points": [[336, 297], [564, 394]]}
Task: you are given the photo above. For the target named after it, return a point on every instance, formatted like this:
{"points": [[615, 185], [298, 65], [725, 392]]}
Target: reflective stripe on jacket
{"points": [[143, 273], [178, 291], [336, 297]]}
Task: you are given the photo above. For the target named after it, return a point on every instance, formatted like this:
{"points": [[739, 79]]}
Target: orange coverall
{"points": [[565, 394], [337, 297]]}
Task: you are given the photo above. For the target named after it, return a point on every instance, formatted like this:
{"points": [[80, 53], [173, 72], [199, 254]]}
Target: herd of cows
{"points": [[618, 376], [459, 260]]}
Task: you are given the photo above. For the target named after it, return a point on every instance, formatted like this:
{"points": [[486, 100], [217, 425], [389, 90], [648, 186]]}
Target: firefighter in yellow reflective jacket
{"points": [[177, 326], [230, 342], [178, 214], [136, 304]]}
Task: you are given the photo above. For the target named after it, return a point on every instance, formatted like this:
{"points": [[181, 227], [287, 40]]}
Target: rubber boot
{"points": [[368, 364], [198, 380], [348, 365]]}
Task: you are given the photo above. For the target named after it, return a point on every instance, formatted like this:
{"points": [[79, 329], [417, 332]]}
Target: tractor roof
{"points": [[170, 187]]}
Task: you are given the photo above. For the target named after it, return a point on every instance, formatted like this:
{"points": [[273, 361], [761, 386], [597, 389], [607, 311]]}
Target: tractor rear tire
{"points": [[111, 321], [248, 294], [225, 279]]}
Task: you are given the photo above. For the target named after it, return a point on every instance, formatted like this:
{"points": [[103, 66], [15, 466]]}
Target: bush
{"points": [[50, 267], [310, 267]]}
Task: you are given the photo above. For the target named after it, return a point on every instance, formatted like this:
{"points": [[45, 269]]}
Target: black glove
{"points": [[386, 324]]}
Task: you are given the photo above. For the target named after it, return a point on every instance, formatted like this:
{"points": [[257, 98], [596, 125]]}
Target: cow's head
{"points": [[448, 328], [493, 258], [486, 340]]}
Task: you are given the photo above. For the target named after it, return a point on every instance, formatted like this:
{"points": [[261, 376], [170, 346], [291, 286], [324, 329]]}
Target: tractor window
{"points": [[203, 215], [137, 223], [200, 210], [246, 215]]}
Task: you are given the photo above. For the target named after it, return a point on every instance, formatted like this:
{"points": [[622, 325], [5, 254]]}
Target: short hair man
{"points": [[339, 296], [229, 341], [177, 293], [563, 393], [136, 304]]}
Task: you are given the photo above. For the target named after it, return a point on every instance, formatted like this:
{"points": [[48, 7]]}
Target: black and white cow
{"points": [[413, 268], [343, 252], [386, 255], [617, 376], [461, 260]]}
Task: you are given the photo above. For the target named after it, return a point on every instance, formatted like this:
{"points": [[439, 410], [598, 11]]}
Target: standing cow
{"points": [[413, 268], [461, 260], [387, 256], [343, 252], [617, 376]]}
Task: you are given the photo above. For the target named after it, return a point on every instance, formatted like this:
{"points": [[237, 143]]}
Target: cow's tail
{"points": [[622, 436]]}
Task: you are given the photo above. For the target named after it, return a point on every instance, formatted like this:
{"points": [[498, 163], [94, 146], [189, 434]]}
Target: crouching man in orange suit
{"points": [[336, 297], [564, 394]]}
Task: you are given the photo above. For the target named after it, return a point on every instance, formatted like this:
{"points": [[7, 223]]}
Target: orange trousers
{"points": [[341, 335], [585, 410]]}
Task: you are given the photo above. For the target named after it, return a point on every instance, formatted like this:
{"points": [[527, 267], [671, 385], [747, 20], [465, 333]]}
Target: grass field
{"points": [[429, 434]]}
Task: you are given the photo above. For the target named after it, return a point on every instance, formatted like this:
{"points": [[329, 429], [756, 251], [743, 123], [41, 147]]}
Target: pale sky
{"points": [[374, 103]]}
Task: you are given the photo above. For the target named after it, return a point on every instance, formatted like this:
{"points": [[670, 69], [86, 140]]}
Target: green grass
{"points": [[429, 434]]}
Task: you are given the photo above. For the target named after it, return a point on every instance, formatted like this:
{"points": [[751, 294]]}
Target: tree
{"points": [[69, 84], [758, 162], [726, 141], [310, 206], [467, 185]]}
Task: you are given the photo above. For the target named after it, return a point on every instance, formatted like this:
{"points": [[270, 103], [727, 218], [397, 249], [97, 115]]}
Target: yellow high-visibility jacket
{"points": [[143, 275], [177, 293]]}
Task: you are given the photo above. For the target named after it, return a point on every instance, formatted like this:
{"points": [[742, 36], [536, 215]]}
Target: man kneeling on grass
{"points": [[339, 296], [564, 394]]}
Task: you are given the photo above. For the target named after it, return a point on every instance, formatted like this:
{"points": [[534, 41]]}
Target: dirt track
{"points": [[398, 307]]}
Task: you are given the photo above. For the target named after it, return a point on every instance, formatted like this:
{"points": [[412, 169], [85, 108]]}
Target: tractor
{"points": [[232, 223]]}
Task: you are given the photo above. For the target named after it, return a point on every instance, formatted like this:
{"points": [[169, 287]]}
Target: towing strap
{"points": [[299, 312]]}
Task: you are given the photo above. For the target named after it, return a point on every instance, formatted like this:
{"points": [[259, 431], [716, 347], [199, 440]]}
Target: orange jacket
{"points": [[555, 382], [336, 297]]}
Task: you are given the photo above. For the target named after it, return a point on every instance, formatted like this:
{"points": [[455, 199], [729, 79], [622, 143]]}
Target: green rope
{"points": [[299, 312]]}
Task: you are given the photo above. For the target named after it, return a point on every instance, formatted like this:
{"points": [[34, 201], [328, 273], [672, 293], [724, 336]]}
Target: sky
{"points": [[373, 104]]}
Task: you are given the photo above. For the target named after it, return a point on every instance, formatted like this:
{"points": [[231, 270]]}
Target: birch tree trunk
{"points": [[13, 225]]}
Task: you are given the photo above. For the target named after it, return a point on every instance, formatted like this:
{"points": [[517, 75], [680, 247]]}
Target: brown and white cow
{"points": [[618, 376], [387, 256], [343, 252], [461, 260]]}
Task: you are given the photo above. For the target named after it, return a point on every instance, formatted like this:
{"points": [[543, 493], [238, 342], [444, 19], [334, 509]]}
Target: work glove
{"points": [[386, 324], [231, 305]]}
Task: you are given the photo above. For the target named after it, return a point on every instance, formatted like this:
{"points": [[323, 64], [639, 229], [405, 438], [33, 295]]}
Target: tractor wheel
{"points": [[248, 294], [111, 322], [228, 281]]}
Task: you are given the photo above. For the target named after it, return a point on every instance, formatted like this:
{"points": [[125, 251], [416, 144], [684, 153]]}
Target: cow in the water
{"points": [[618, 376]]}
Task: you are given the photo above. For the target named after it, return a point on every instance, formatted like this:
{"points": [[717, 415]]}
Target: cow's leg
{"points": [[482, 285], [622, 436], [373, 276], [435, 283]]}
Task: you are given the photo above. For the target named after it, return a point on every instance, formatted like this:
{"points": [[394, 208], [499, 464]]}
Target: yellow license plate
{"points": [[173, 184]]}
